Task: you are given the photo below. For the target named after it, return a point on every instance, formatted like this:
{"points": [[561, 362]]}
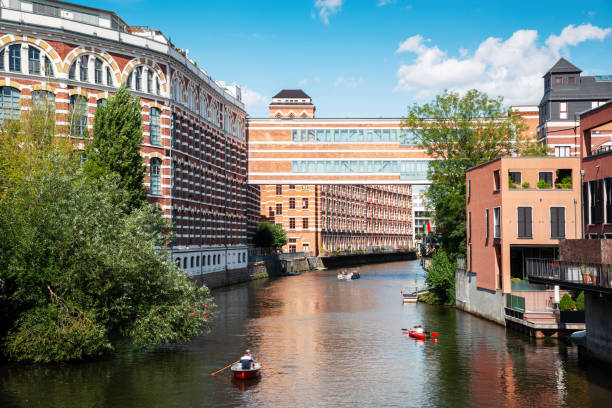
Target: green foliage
{"points": [[525, 184], [543, 184], [564, 178], [77, 273], [115, 149], [465, 131], [440, 277], [510, 183], [567, 303], [580, 301], [270, 235]]}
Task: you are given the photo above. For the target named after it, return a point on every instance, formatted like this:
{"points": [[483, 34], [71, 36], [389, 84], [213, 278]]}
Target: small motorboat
{"points": [[344, 275], [409, 296], [242, 374]]}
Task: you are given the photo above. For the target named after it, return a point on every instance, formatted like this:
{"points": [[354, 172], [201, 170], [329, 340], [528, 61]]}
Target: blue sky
{"points": [[372, 58]]}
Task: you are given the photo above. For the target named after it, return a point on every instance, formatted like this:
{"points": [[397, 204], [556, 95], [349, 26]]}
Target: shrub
{"points": [[440, 277], [580, 301], [526, 184], [543, 184], [566, 303], [510, 183]]}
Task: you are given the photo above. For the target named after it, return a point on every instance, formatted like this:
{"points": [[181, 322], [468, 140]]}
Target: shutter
{"points": [[554, 222], [528, 221], [561, 222], [521, 222]]}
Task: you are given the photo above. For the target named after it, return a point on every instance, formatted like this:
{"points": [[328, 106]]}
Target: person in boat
{"points": [[247, 360], [419, 329]]}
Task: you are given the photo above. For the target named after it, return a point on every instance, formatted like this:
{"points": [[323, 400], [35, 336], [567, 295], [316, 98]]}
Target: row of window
{"points": [[194, 261], [408, 169], [524, 222], [11, 58], [292, 223], [400, 136]]}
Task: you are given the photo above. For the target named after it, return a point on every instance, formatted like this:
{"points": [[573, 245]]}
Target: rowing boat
{"points": [[242, 374], [418, 336]]}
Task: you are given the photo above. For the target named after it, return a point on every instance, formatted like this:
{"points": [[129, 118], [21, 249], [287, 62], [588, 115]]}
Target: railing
{"points": [[515, 302], [461, 263], [602, 150], [579, 273]]}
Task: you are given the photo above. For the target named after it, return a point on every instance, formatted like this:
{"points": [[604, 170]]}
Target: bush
{"points": [[543, 184], [580, 301], [566, 303], [440, 277], [526, 184]]}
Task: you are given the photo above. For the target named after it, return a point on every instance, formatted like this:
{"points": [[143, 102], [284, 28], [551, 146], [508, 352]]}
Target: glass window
{"points": [[72, 71], [291, 223], [101, 102], [138, 79], [109, 77], [84, 74], [33, 61], [155, 176], [514, 178], [43, 100], [98, 71], [157, 88], [78, 114], [2, 60], [149, 80], [15, 58], [48, 67], [154, 127], [10, 104]]}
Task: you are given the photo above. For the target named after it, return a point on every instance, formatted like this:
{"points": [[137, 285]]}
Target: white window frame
{"points": [[498, 210]]}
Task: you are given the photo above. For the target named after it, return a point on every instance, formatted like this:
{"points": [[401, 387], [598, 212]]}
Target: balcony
{"points": [[594, 277]]}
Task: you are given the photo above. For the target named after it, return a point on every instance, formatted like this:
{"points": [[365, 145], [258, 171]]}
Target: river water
{"points": [[332, 344]]}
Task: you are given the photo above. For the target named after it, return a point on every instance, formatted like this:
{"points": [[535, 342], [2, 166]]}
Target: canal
{"points": [[334, 344]]}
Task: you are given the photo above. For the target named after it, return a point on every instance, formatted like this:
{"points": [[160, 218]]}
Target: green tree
{"points": [[269, 235], [566, 303], [440, 277], [117, 137], [460, 132]]}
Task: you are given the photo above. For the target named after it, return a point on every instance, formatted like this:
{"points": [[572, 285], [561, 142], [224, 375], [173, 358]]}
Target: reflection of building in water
{"points": [[334, 184]]}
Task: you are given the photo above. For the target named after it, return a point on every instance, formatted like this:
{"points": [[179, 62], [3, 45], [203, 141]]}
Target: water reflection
{"points": [[333, 343]]}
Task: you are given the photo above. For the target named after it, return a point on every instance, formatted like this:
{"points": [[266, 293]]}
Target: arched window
{"points": [[203, 260], [43, 101], [177, 90], [138, 78], [109, 77], [84, 69], [208, 262], [178, 262], [185, 263], [15, 58], [155, 176], [10, 103], [101, 102], [214, 260], [98, 72], [149, 81], [78, 116], [197, 261], [154, 132], [33, 61], [191, 264]]}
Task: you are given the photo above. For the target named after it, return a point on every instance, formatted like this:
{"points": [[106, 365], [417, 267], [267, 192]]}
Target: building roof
{"points": [[587, 88], [563, 66], [291, 93]]}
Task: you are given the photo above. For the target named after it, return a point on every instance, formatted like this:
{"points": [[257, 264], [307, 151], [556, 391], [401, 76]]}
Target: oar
{"points": [[267, 368], [229, 365]]}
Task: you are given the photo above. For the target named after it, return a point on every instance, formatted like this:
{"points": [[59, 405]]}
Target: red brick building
{"points": [[193, 143]]}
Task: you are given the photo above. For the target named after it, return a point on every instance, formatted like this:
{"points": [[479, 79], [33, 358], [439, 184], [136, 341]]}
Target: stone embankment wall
{"points": [[223, 278], [480, 302], [339, 261]]}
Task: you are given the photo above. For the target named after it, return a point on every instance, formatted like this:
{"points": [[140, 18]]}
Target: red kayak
{"points": [[241, 374], [420, 336]]}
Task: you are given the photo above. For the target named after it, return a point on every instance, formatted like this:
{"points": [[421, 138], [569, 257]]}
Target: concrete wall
{"points": [[599, 326], [223, 278], [362, 259], [477, 301]]}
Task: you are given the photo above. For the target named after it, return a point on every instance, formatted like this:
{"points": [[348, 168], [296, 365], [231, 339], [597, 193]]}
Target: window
{"points": [[304, 202], [101, 102], [557, 222], [291, 186], [33, 61], [138, 79], [279, 189], [48, 67], [72, 71], [496, 183], [149, 80], [43, 100], [487, 223], [78, 114], [596, 201], [545, 177], [562, 110], [292, 203], [15, 58], [84, 75], [154, 132], [515, 178], [469, 225], [305, 223], [305, 247], [562, 151], [98, 71], [608, 197], [109, 77], [2, 60], [10, 103], [279, 209], [469, 189], [571, 80], [157, 87], [292, 248], [291, 223], [497, 222], [524, 222], [558, 80]]}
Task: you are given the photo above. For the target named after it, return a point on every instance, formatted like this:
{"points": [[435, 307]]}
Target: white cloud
{"points": [[385, 2], [303, 82], [328, 8], [511, 68], [348, 82], [253, 99]]}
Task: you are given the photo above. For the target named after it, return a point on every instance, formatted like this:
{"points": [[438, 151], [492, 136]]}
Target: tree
{"points": [[117, 137], [460, 132], [78, 274], [269, 235], [440, 277]]}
